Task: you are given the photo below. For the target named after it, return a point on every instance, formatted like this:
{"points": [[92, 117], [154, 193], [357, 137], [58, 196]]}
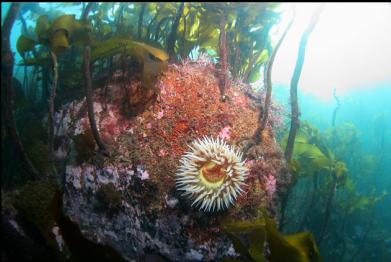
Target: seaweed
{"points": [[109, 198], [58, 35], [38, 153], [7, 65], [260, 241], [152, 61], [40, 205], [141, 52], [84, 145], [312, 156], [33, 203]]}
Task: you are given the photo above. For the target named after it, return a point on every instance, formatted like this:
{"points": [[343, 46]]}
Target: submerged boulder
{"points": [[129, 200]]}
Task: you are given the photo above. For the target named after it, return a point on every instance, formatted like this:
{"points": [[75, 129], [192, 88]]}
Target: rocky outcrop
{"points": [[129, 201]]}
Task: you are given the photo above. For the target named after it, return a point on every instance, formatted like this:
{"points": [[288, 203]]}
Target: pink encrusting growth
{"points": [[270, 186], [150, 145], [240, 100], [224, 133], [160, 114], [163, 152]]}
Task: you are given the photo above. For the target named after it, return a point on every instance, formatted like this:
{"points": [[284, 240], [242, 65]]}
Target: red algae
{"points": [[188, 107]]}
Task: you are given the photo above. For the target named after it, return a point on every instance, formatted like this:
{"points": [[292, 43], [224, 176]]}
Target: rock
{"points": [[17, 245], [140, 214]]}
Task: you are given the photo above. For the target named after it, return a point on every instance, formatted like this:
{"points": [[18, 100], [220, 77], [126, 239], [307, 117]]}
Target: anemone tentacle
{"points": [[211, 174]]}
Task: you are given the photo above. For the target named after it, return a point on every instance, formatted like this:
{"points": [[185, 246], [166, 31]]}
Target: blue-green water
{"points": [[366, 116]]}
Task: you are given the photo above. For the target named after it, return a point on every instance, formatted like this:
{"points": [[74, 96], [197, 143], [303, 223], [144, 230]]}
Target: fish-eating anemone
{"points": [[212, 174]]}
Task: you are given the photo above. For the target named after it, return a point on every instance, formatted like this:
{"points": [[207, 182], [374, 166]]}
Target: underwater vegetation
{"points": [[140, 131], [295, 247], [325, 167]]}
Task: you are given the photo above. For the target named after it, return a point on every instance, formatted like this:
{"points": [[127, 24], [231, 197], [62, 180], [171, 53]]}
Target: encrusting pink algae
{"points": [[145, 153]]}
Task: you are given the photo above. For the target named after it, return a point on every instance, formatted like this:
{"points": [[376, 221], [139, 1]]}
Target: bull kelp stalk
{"points": [[371, 220], [86, 11], [88, 89], [335, 116], [336, 108], [140, 21], [173, 34], [223, 57], [263, 44], [268, 83], [25, 75], [7, 65], [30, 84], [332, 190], [295, 123], [51, 114], [147, 36], [159, 27], [310, 207]]}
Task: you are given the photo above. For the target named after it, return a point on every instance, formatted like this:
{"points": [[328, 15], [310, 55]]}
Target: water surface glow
{"points": [[348, 49]]}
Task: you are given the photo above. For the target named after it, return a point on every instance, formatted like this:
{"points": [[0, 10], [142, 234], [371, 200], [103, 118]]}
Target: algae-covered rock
{"points": [[84, 146], [33, 222], [38, 153], [34, 203], [16, 245], [109, 198], [129, 200], [30, 223]]}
